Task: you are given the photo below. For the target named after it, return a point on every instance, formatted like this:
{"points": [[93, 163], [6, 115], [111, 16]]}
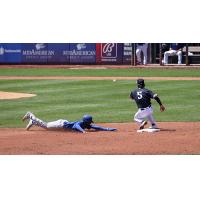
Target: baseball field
{"points": [[69, 93]]}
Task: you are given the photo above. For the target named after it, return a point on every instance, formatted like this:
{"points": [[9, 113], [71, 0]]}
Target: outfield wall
{"points": [[65, 53]]}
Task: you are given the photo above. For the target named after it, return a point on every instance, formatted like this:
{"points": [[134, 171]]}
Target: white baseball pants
{"points": [[142, 115], [56, 124], [172, 53], [142, 48]]}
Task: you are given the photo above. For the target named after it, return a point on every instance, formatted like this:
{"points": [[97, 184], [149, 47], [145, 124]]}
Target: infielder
{"points": [[142, 97], [80, 126]]}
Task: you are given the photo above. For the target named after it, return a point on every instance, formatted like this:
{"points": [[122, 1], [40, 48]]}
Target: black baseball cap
{"points": [[140, 81]]}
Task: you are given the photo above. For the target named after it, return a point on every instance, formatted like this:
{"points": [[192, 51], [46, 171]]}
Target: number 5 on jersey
{"points": [[139, 95]]}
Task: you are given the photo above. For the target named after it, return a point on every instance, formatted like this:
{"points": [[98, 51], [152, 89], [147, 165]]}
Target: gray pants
{"points": [[47, 125]]}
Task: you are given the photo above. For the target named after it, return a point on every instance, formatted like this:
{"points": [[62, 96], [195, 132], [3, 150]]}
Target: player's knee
{"points": [[136, 119]]}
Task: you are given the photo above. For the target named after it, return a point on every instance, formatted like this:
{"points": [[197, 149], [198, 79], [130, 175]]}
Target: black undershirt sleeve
{"points": [[158, 100]]}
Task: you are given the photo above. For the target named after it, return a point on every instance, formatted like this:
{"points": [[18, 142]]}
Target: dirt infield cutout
{"points": [[14, 95], [173, 138]]}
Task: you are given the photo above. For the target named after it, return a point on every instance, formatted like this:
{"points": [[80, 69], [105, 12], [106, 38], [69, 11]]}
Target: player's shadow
{"points": [[167, 130]]}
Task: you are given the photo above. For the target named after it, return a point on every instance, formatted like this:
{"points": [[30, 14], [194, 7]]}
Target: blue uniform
{"points": [[80, 126], [85, 123]]}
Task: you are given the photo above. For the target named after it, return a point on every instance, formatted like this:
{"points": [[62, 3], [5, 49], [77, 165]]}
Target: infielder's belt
{"points": [[145, 108]]}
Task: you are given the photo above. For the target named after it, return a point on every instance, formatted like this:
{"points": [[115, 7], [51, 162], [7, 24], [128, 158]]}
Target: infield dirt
{"points": [[174, 138]]}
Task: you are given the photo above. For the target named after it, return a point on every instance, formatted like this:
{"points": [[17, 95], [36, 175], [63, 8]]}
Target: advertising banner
{"points": [[66, 53], [82, 53], [10, 52], [109, 53], [60, 53], [127, 53], [35, 53]]}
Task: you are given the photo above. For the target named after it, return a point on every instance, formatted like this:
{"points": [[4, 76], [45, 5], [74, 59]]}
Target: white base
{"points": [[149, 130]]}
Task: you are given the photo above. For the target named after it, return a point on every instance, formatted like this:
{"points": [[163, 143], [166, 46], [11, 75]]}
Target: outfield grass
{"points": [[190, 72], [106, 100]]}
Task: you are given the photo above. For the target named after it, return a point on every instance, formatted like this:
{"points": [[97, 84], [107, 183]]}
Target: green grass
{"points": [[107, 101], [101, 72]]}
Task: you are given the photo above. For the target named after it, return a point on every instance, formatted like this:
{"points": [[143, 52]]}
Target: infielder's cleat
{"points": [[142, 125], [26, 116], [30, 124]]}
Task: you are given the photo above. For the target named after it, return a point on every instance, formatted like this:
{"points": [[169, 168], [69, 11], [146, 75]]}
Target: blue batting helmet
{"points": [[87, 119]]}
